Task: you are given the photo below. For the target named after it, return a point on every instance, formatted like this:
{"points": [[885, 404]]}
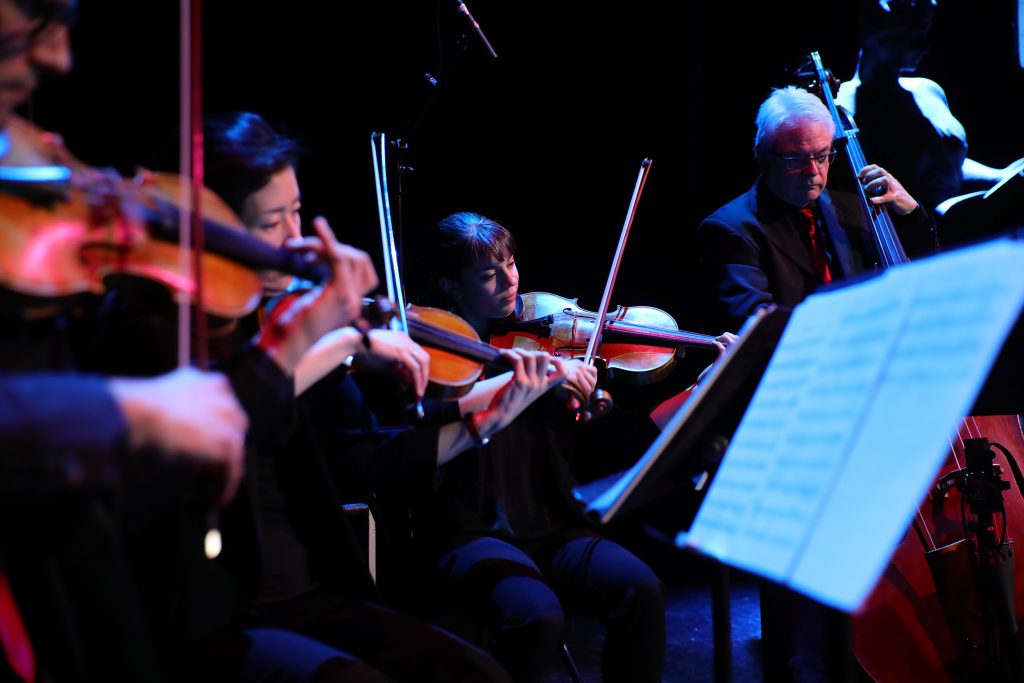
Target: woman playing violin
{"points": [[508, 543], [306, 575]]}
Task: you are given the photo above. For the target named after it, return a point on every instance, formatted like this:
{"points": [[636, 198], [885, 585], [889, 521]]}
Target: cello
{"points": [[945, 608]]}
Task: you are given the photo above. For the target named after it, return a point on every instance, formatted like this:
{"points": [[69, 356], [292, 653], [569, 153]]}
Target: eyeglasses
{"points": [[800, 163]]}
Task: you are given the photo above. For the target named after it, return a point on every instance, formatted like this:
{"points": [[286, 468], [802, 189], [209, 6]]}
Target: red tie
{"points": [[817, 245], [13, 636]]}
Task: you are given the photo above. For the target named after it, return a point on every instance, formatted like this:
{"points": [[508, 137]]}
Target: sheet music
{"points": [[852, 417], [608, 502]]}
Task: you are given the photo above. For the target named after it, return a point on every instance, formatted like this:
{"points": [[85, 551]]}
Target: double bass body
{"points": [[935, 613]]}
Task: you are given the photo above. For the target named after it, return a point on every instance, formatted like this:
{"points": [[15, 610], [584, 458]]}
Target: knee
{"points": [[528, 605], [650, 591], [642, 601]]}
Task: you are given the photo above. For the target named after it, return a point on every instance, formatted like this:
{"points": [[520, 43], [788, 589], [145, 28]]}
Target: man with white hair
{"points": [[786, 236], [775, 244]]}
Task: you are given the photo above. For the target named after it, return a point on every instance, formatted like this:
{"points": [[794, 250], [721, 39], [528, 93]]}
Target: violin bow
{"points": [[392, 272], [190, 219], [602, 311]]}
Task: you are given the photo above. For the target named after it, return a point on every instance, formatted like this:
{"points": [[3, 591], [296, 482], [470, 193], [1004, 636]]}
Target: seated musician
{"points": [[68, 439], [776, 244], [905, 121], [509, 545], [84, 617], [308, 574], [787, 235]]}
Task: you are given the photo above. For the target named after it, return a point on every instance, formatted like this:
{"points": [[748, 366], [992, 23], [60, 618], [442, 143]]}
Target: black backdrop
{"points": [[548, 139]]}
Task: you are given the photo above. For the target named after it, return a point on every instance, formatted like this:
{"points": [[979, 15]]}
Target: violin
{"points": [[946, 607], [458, 356], [65, 230], [640, 344]]}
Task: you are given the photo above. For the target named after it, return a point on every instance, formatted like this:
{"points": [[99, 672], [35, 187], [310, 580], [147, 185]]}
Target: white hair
{"points": [[787, 108]]}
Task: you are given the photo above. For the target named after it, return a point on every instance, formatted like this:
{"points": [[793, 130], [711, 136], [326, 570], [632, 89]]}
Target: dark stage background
{"points": [[548, 139]]}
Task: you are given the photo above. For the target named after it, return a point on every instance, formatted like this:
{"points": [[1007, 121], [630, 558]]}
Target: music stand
{"points": [[686, 455], [850, 421]]}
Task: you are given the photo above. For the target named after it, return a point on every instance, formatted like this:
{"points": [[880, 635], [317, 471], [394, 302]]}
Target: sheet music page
{"points": [[866, 384], [614, 495], [788, 447], [962, 311]]}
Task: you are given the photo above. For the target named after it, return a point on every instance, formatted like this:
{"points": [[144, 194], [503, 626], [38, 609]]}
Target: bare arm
{"points": [[529, 381]]}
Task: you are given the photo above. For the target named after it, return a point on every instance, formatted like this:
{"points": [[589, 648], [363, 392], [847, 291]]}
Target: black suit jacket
{"points": [[754, 250]]}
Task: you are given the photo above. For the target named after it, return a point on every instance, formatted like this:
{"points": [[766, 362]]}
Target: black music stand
{"points": [[686, 455], [855, 405]]}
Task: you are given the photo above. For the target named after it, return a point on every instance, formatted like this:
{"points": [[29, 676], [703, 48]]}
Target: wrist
{"points": [[476, 425], [363, 339], [138, 413]]}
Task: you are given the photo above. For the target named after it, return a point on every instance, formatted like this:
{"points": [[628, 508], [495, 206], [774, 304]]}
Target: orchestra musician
{"points": [[310, 576], [788, 235], [66, 559], [905, 120], [776, 244], [508, 544], [67, 438]]}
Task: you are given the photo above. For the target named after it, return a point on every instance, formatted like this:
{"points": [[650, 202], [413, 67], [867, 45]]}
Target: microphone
{"points": [[463, 10]]}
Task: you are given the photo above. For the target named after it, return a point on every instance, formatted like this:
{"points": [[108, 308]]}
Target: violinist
{"points": [[308, 576], [67, 440], [508, 545], [787, 235], [90, 614], [776, 244]]}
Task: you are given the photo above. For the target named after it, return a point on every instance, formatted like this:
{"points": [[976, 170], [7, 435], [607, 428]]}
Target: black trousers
{"points": [[321, 637], [517, 594]]}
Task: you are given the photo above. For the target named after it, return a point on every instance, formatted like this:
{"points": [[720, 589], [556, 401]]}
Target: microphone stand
{"points": [[400, 142], [992, 562]]}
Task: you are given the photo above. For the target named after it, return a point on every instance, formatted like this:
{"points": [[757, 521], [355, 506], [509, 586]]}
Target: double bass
{"points": [[945, 608]]}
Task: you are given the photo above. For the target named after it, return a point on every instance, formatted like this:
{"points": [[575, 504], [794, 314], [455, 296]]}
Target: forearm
{"points": [[326, 354], [59, 431], [455, 438], [975, 171], [482, 393]]}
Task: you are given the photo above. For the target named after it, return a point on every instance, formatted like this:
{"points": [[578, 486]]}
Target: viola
{"points": [[458, 356], [639, 345], [939, 611], [64, 231]]}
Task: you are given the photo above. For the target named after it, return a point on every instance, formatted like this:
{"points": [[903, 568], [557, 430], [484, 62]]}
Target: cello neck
{"points": [[887, 242]]}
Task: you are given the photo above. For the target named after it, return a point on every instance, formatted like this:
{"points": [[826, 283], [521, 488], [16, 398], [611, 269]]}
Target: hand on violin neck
{"points": [[724, 341], [352, 274], [293, 330], [390, 351], [530, 380]]}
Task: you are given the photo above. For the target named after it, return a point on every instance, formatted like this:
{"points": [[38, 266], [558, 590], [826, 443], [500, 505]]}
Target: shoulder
{"points": [[922, 87], [847, 95], [931, 100], [732, 214]]}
